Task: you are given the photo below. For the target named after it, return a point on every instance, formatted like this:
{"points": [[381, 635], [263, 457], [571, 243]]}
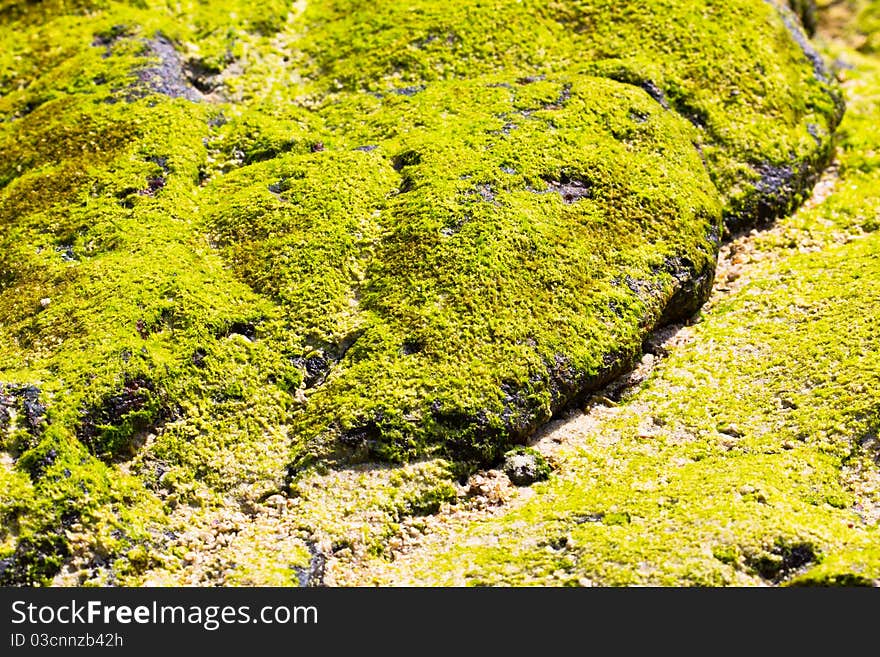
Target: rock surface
{"points": [[525, 466], [294, 234], [748, 456]]}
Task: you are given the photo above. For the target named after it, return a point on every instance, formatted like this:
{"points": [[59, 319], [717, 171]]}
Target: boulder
{"points": [[525, 466], [284, 233]]}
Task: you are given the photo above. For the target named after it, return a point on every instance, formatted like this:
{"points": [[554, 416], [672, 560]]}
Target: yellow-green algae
{"points": [[750, 456], [237, 240]]}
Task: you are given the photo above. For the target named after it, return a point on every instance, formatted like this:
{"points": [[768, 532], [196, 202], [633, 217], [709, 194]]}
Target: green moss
{"points": [[525, 465], [867, 24], [239, 240], [733, 84], [749, 456]]}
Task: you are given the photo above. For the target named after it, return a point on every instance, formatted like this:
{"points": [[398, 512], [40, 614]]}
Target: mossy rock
{"points": [[749, 455], [525, 466], [237, 240]]}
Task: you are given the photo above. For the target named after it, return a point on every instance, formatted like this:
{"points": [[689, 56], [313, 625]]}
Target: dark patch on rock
{"points": [[570, 189], [584, 518], [638, 116], [654, 92], [557, 543], [22, 401], [627, 76], [401, 162], [642, 289], [198, 357], [570, 385], [154, 184], [364, 437], [506, 129], [565, 380], [775, 189], [161, 162], [406, 159], [34, 411], [26, 108], [448, 39], [561, 99], [520, 414], [70, 518], [777, 192], [782, 561], [484, 191], [316, 367], [67, 253], [408, 91], [107, 38], [38, 460], [247, 329], [115, 425], [524, 466], [202, 76], [530, 79], [807, 12], [691, 286], [412, 346], [407, 184], [35, 560], [167, 75], [313, 574]]}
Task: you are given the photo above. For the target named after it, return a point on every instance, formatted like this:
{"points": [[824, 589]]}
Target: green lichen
{"points": [[238, 240]]}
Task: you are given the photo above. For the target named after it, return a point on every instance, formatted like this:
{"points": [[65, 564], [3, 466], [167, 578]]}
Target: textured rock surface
{"points": [[240, 240], [749, 455], [525, 466]]}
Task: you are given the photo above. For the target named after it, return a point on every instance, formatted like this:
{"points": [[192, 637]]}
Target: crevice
{"points": [[313, 574]]}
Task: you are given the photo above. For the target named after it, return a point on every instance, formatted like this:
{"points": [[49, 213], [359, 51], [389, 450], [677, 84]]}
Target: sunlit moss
{"points": [[750, 454], [238, 239]]}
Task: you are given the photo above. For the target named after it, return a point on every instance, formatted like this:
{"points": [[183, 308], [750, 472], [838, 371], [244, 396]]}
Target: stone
{"points": [[525, 466], [476, 215]]}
